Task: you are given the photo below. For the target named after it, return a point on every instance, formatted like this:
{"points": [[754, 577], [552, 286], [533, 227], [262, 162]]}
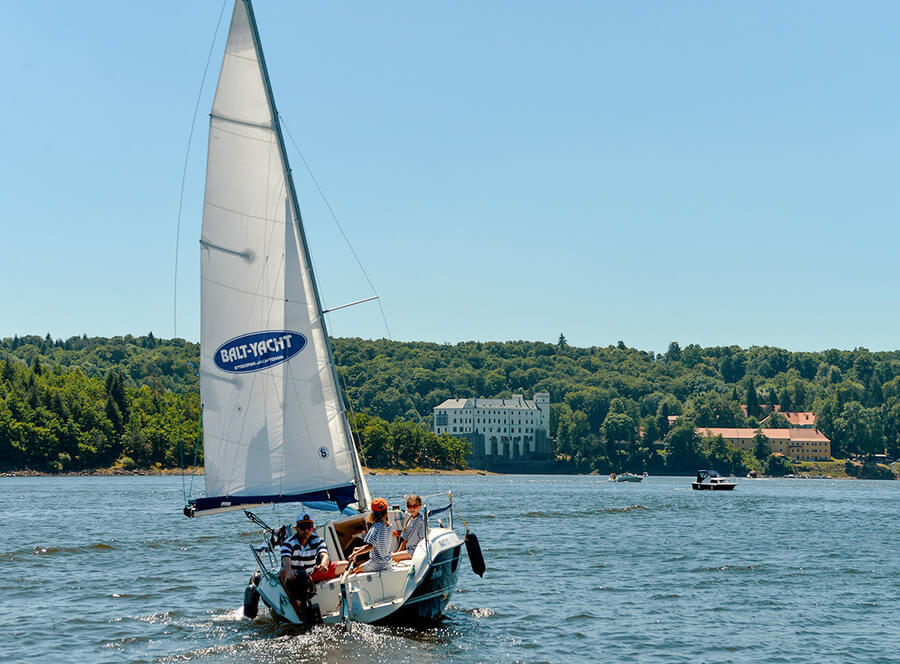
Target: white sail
{"points": [[273, 424]]}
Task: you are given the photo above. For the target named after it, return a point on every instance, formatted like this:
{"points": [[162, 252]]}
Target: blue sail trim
{"points": [[341, 496], [438, 510]]}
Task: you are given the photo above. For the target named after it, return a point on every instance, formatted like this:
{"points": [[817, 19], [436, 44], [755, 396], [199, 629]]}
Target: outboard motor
{"points": [[311, 615], [251, 597], [473, 548]]}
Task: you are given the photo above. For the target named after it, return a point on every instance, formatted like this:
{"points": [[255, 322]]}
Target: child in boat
{"points": [[414, 528], [377, 540]]}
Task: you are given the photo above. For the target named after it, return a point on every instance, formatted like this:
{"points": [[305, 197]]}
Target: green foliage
{"points": [[55, 419], [751, 399], [868, 471], [682, 451], [777, 421], [721, 455], [761, 447], [88, 402], [777, 466], [403, 444]]}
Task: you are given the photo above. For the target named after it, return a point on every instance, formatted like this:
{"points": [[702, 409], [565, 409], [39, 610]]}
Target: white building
{"points": [[510, 428]]}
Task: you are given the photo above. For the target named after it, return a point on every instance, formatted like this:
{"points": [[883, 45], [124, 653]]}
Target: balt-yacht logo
{"points": [[258, 350]]}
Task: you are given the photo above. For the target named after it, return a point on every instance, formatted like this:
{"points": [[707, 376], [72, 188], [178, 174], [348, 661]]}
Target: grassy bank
{"points": [[834, 468], [837, 468], [425, 471]]}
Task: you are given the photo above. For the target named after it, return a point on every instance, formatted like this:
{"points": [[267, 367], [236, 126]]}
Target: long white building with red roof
{"points": [[805, 444]]}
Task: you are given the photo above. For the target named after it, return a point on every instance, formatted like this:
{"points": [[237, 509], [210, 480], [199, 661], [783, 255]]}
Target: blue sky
{"points": [[707, 172]]}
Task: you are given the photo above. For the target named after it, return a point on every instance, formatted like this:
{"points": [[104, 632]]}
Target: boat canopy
{"points": [[708, 473]]}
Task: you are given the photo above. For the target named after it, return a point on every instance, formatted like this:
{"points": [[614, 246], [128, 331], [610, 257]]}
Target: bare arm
{"points": [[358, 551], [324, 561], [285, 568]]}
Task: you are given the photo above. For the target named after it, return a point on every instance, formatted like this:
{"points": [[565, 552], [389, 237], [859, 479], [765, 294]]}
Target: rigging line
{"points": [[187, 154], [357, 443], [337, 223]]}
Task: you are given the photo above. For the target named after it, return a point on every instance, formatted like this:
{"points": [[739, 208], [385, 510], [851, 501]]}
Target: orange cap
{"points": [[379, 505]]}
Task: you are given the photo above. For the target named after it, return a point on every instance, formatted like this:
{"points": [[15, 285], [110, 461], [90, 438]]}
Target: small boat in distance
{"points": [[710, 480], [626, 477]]}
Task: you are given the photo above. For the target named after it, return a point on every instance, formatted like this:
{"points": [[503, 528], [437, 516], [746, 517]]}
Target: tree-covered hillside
{"points": [[102, 399]]}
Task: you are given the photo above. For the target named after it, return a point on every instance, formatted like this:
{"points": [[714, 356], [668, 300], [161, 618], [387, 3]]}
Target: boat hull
{"points": [[699, 486], [430, 598], [412, 591]]}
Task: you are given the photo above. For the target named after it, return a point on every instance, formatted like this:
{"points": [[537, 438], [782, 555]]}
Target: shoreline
{"points": [[812, 471], [198, 470]]}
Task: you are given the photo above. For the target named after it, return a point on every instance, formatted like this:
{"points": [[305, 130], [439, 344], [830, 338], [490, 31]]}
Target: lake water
{"points": [[106, 569]]}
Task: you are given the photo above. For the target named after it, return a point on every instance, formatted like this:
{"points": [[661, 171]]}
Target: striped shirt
{"points": [[303, 556], [413, 532], [379, 535]]}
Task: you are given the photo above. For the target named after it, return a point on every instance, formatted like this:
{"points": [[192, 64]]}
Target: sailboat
{"points": [[275, 429]]}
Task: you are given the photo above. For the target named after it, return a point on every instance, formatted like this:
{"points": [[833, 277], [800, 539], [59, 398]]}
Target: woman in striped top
{"points": [[377, 540]]}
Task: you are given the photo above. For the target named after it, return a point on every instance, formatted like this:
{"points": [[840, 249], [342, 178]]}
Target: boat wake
{"points": [[622, 510], [24, 554], [546, 515], [281, 642], [237, 615], [729, 568], [481, 612]]}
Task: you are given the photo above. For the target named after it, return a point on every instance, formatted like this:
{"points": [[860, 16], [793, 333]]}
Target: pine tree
{"points": [[785, 400], [752, 400], [674, 352], [115, 389]]}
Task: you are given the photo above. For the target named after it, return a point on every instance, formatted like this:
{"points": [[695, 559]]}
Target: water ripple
{"points": [[21, 554], [587, 571]]}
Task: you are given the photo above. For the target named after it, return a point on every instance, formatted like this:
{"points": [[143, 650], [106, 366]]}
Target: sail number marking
{"points": [[258, 350]]}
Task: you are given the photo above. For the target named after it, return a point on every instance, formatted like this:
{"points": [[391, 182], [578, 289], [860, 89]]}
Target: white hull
{"points": [[378, 596]]}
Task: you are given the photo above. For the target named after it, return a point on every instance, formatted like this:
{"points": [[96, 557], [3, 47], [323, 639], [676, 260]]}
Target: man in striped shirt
{"points": [[301, 555]]}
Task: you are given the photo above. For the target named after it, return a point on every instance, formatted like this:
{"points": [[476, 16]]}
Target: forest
{"points": [[82, 403]]}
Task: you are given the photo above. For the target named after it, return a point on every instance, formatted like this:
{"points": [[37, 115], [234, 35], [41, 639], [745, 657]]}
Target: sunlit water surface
{"points": [[106, 569]]}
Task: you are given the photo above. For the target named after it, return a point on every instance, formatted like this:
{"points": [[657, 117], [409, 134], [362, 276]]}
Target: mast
{"points": [[363, 493]]}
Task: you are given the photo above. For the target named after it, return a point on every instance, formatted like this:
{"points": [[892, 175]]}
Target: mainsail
{"points": [[274, 427]]}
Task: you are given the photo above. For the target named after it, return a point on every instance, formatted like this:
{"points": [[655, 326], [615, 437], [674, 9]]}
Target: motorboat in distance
{"points": [[710, 480], [625, 477]]}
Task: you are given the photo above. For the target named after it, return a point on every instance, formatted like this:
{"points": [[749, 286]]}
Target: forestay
{"points": [[274, 428]]}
